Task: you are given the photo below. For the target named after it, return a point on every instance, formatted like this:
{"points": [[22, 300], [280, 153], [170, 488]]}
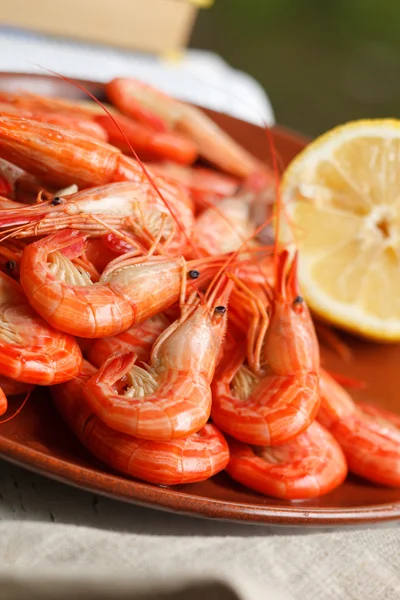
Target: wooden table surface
{"points": [[25, 496]]}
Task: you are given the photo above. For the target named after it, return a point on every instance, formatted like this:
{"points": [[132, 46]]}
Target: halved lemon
{"points": [[342, 200]]}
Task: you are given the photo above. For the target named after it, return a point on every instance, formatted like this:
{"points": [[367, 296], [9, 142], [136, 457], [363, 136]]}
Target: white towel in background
{"points": [[200, 77]]}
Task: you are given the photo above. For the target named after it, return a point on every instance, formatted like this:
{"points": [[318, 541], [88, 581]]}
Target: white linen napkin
{"points": [[57, 561]]}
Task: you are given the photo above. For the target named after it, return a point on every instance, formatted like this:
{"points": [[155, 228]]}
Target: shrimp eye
{"points": [[298, 304], [56, 201], [220, 310], [10, 265], [194, 274]]}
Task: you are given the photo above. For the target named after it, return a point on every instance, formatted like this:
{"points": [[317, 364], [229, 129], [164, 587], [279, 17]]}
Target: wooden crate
{"points": [[158, 26]]}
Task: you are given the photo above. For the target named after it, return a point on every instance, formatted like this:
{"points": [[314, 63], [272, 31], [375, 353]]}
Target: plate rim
{"points": [[163, 497]]}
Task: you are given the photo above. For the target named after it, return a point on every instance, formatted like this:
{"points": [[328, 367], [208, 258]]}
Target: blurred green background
{"points": [[322, 62]]}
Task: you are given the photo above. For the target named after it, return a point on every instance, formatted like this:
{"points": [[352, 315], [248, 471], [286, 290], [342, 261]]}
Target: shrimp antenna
{"points": [[278, 201], [141, 164], [18, 409], [198, 292]]}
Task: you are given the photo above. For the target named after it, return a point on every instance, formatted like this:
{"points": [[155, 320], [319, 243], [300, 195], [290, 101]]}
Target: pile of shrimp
{"points": [[137, 285]]}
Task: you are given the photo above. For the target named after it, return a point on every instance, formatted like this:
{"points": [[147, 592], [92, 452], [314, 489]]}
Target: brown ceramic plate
{"points": [[38, 440]]}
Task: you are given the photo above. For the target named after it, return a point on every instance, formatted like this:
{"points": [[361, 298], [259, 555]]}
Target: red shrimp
{"points": [[73, 123], [122, 206], [147, 104], [130, 290], [60, 157], [30, 350], [368, 435], [195, 458], [274, 405], [170, 397], [28, 101], [149, 144], [310, 465]]}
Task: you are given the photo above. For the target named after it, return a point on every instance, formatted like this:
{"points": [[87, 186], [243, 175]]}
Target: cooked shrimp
{"points": [[30, 350], [196, 458], [73, 123], [29, 101], [10, 257], [149, 105], [310, 465], [369, 436], [170, 398], [275, 405], [138, 339], [148, 144], [130, 290], [116, 205], [60, 157]]}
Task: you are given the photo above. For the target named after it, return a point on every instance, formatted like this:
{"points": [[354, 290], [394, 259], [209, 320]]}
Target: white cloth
{"points": [[199, 77], [255, 565]]}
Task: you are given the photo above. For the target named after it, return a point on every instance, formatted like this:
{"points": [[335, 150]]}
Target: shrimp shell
{"points": [[310, 465], [196, 458]]}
